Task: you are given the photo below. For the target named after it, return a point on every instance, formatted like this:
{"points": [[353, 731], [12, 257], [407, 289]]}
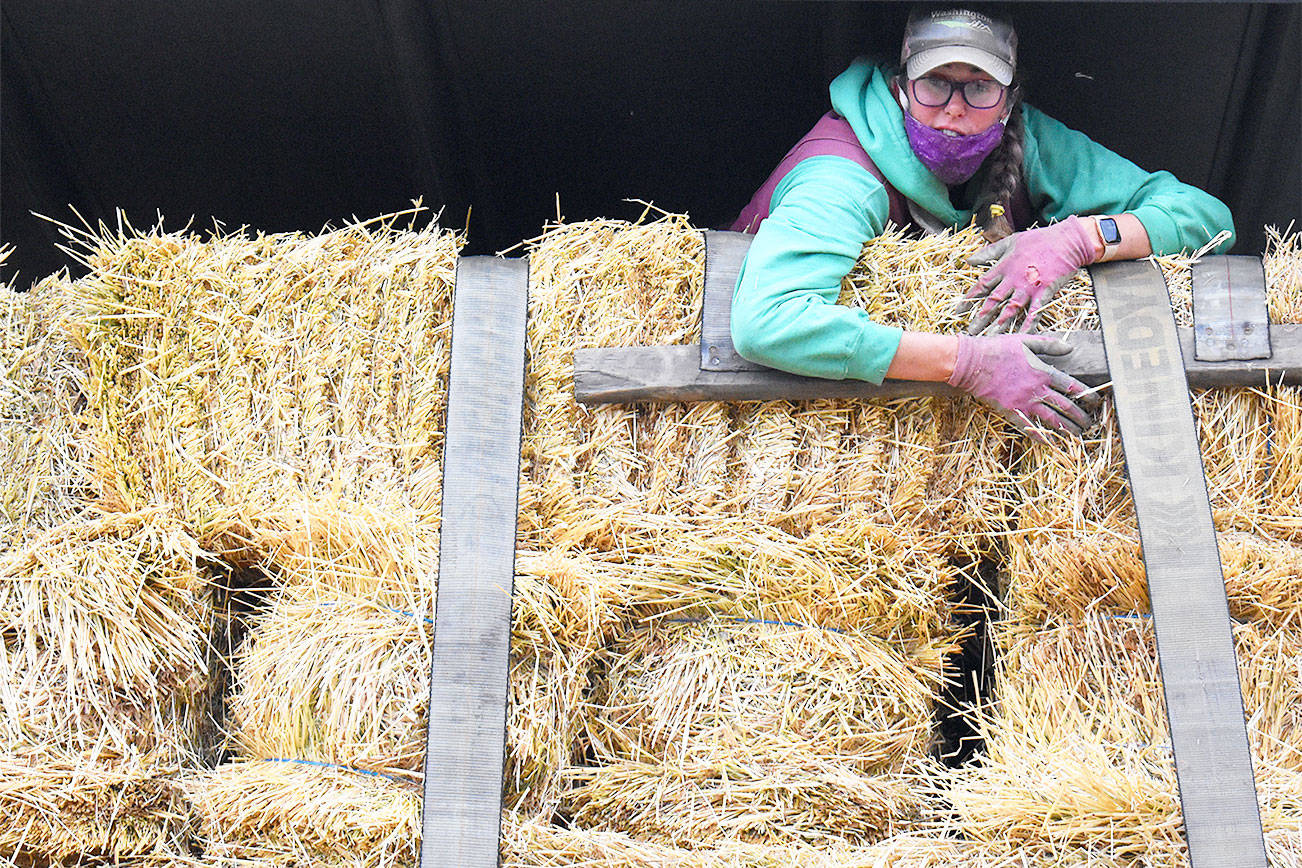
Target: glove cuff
{"points": [[964, 362], [1087, 244]]}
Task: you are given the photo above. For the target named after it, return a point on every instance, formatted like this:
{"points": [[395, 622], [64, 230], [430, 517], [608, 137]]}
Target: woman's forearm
{"points": [[924, 356], [1135, 243]]}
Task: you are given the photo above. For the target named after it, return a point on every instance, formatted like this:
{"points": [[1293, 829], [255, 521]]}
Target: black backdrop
{"points": [[291, 114]]}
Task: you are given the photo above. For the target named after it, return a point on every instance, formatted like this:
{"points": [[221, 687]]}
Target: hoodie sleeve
{"points": [[784, 311], [1068, 173]]}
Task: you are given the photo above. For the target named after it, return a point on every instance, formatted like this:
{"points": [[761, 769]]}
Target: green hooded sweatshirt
{"points": [[784, 312]]}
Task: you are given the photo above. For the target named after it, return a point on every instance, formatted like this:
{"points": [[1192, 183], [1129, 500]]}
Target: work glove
{"points": [[1005, 372], [1028, 270]]}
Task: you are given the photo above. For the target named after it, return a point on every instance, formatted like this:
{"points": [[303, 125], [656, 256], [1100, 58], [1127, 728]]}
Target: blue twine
{"points": [[756, 621], [305, 762], [411, 615], [395, 611]]}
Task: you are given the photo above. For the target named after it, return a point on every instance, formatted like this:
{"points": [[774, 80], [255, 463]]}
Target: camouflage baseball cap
{"points": [[934, 38]]}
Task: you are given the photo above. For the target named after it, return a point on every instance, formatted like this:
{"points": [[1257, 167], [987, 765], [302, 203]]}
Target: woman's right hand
{"points": [[1026, 270], [1007, 373]]}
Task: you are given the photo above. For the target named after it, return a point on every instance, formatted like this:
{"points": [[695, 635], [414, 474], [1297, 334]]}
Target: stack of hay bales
{"points": [[282, 398], [780, 574], [1078, 764], [105, 662], [732, 623]]}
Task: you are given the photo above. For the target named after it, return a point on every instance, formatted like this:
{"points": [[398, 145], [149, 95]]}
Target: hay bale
{"points": [[340, 680], [1055, 576], [1078, 753], [644, 480], [106, 686], [1281, 492], [863, 579], [566, 608], [296, 814], [389, 557], [1250, 438], [532, 843], [232, 374], [45, 477], [720, 730], [718, 689], [1081, 485], [704, 803]]}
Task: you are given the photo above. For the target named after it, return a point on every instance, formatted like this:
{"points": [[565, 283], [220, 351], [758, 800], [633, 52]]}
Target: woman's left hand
{"points": [[1026, 270]]}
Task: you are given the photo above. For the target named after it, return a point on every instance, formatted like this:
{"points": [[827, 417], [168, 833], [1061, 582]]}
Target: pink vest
{"points": [[833, 136]]}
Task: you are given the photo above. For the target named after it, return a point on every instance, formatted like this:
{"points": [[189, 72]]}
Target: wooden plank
{"points": [[1231, 318], [465, 743], [672, 373], [724, 254], [1191, 618]]}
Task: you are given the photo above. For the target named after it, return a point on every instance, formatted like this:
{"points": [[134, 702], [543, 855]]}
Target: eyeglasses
{"points": [[935, 92]]}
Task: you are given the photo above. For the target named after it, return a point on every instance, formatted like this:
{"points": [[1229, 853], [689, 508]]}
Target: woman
{"points": [[942, 143]]}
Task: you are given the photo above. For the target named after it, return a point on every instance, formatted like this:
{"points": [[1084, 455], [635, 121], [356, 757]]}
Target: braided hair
{"points": [[993, 211]]}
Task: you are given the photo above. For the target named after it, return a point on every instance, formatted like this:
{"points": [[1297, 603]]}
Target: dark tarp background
{"points": [[292, 114]]}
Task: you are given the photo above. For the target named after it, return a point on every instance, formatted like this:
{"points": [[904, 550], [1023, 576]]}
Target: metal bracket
{"points": [[1231, 321]]}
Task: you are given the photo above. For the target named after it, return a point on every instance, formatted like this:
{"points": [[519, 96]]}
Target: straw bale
{"points": [[715, 690], [287, 815], [389, 557], [336, 669], [106, 685], [699, 803], [873, 580], [786, 483], [1066, 575], [1250, 439], [70, 804], [1282, 262], [1081, 484], [1281, 492], [232, 373], [340, 680], [44, 443], [566, 608], [531, 843], [344, 680], [1078, 753]]}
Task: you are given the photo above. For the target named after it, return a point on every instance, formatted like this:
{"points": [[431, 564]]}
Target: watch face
{"points": [[1108, 227]]}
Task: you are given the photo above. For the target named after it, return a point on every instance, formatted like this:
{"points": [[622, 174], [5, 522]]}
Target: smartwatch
{"points": [[1109, 232]]}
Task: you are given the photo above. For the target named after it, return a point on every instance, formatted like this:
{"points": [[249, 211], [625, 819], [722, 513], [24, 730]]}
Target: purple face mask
{"points": [[952, 159]]}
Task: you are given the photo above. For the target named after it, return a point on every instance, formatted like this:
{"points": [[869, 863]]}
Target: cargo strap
{"points": [[1200, 675], [1231, 321], [464, 753]]}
